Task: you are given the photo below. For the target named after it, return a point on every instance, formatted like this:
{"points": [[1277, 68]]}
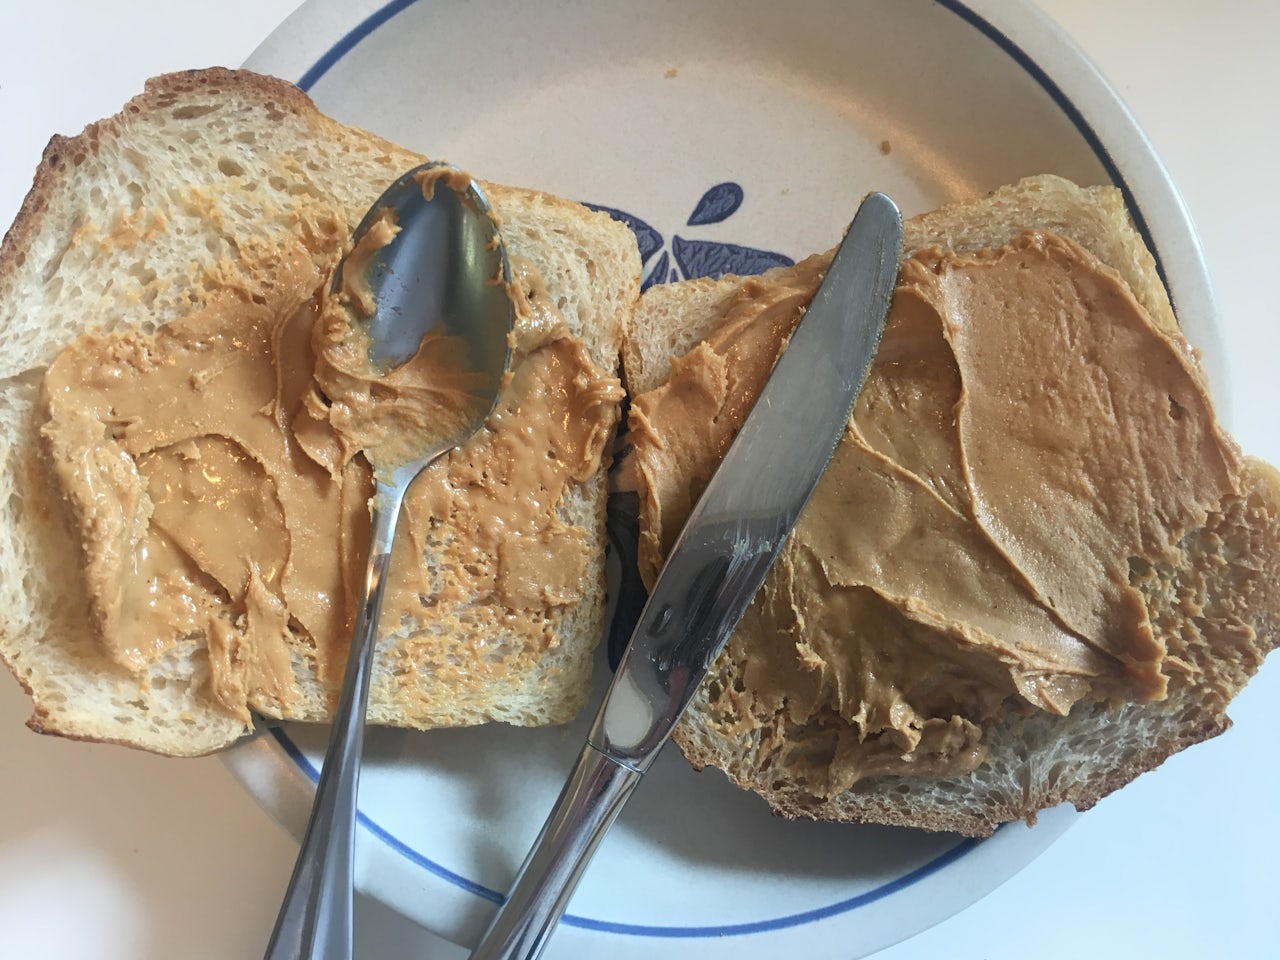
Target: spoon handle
{"points": [[315, 919], [591, 800]]}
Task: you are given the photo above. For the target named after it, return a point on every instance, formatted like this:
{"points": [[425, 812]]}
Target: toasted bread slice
{"points": [[192, 190], [1212, 601]]}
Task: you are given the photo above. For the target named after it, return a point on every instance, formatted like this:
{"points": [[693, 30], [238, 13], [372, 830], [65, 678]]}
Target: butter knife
{"points": [[715, 567]]}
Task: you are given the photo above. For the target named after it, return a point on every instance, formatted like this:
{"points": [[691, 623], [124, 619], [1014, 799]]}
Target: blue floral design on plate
{"points": [[717, 204], [686, 257]]}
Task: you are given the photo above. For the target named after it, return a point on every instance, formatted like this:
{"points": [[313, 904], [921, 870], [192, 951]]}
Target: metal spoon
{"points": [[436, 276]]}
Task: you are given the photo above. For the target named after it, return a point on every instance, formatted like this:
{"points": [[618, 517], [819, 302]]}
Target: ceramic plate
{"points": [[731, 137]]}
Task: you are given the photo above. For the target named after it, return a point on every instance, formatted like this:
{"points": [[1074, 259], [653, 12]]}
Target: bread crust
{"points": [[61, 149]]}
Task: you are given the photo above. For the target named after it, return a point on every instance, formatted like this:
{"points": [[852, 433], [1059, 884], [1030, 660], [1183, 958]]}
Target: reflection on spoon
{"points": [[415, 334]]}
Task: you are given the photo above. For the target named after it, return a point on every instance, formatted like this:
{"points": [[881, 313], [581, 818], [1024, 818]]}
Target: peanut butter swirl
{"points": [[1026, 436], [217, 496]]}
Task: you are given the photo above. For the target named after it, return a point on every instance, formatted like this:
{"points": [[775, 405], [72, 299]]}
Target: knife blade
{"points": [[715, 567]]}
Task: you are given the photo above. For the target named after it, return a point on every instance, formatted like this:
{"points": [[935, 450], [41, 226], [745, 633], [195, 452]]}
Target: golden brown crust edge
{"points": [[979, 821], [62, 149]]}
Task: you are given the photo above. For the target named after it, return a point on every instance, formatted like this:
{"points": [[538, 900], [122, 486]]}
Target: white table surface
{"points": [[107, 853]]}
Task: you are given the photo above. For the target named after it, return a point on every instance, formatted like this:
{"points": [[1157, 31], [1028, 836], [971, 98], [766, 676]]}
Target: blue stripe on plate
{"points": [[322, 66], [348, 43], [635, 929]]}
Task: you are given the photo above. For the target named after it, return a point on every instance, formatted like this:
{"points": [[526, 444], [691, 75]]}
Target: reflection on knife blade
{"points": [[715, 567]]}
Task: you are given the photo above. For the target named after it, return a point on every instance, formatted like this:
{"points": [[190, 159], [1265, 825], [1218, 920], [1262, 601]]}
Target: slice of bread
{"points": [[1214, 600], [198, 187]]}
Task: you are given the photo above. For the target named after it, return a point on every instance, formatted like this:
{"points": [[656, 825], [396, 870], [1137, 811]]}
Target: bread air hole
{"points": [[142, 273], [194, 111]]}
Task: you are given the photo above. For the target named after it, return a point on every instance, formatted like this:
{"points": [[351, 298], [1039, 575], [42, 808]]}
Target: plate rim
{"points": [[938, 862]]}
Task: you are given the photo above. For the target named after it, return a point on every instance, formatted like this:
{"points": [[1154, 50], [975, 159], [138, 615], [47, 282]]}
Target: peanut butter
{"points": [[1026, 435], [216, 494]]}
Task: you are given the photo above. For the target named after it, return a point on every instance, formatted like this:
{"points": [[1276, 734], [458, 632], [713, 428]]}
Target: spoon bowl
{"points": [[444, 273], [438, 274]]}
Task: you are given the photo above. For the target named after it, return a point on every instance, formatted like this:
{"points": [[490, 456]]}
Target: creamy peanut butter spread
{"points": [[216, 495], [1025, 437]]}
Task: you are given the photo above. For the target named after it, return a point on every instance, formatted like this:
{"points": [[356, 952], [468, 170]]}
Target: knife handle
{"points": [[590, 801]]}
